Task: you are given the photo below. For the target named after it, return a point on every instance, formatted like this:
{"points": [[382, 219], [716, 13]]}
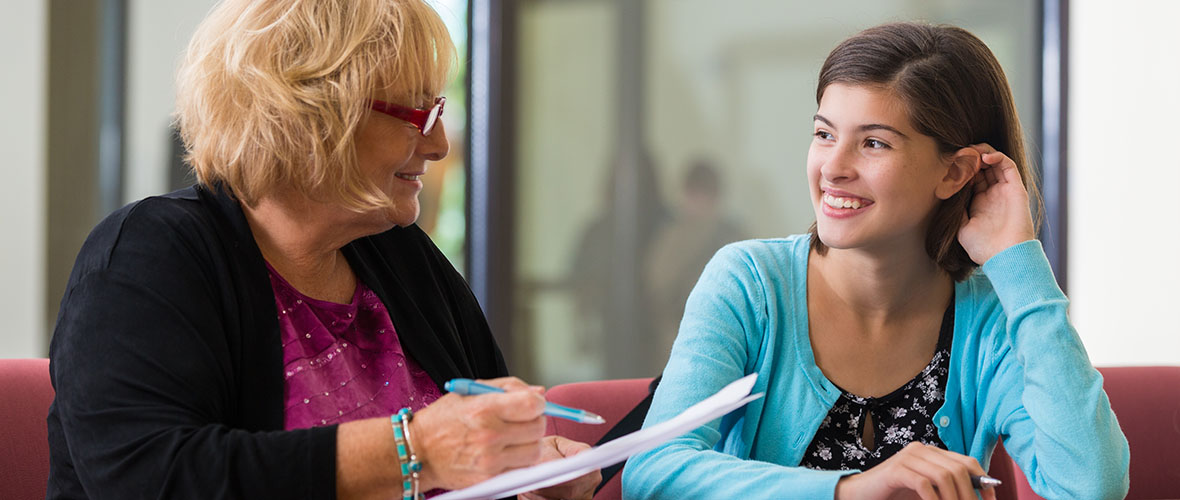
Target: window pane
{"points": [[443, 197], [725, 99]]}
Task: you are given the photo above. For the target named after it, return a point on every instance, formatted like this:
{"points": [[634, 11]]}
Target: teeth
{"points": [[836, 202], [408, 177]]}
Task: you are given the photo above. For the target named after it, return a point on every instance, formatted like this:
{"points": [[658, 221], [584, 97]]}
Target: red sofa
{"points": [[1145, 399], [24, 460]]}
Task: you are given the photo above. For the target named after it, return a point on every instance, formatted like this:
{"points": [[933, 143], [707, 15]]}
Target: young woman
{"points": [[891, 365]]}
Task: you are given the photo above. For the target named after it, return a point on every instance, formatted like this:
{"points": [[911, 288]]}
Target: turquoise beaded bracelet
{"points": [[405, 453]]}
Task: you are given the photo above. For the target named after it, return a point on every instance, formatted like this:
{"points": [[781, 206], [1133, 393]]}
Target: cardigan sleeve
{"points": [[719, 340], [142, 362], [1052, 413]]}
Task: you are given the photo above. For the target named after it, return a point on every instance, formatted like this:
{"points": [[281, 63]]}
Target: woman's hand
{"points": [[462, 440], [999, 215], [917, 471], [581, 488]]}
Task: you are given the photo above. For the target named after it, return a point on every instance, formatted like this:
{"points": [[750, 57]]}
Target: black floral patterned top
{"points": [[899, 418]]}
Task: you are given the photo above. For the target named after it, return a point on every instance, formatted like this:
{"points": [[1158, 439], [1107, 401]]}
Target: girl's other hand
{"points": [[580, 488], [917, 471]]}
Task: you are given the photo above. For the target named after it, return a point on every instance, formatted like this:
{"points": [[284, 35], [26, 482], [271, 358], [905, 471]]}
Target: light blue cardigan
{"points": [[1018, 371]]}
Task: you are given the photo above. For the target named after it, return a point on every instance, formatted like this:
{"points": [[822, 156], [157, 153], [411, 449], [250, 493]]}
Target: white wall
{"points": [[22, 207], [1124, 236]]}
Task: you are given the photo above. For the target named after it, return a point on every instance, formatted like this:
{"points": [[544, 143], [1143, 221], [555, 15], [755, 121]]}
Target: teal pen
{"points": [[468, 387]]}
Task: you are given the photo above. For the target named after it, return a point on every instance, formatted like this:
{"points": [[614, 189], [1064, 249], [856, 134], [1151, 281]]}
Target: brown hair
{"points": [[271, 93], [955, 92]]}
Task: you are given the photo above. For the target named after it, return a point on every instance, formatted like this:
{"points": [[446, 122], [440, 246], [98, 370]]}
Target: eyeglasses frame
{"points": [[423, 119]]}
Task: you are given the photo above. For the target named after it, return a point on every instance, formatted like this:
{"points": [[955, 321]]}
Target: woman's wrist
{"points": [[426, 478], [366, 459], [846, 487], [1006, 244]]}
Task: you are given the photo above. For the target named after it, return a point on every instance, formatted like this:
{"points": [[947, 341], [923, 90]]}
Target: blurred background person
{"points": [[697, 230], [599, 278]]}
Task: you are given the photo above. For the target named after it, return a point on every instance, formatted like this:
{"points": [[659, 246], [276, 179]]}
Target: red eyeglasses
{"points": [[424, 119]]}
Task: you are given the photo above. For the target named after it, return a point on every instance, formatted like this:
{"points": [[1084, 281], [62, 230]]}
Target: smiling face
{"points": [[874, 179], [393, 154]]}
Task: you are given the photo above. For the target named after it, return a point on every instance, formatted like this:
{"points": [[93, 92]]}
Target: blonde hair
{"points": [[271, 92]]}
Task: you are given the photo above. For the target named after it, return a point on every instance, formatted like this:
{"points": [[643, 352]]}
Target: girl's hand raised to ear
{"points": [[999, 215]]}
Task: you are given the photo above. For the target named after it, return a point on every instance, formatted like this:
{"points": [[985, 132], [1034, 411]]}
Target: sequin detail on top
{"points": [[343, 362], [899, 418]]}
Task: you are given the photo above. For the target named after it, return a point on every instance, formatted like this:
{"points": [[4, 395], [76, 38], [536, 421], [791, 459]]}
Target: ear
{"points": [[964, 164]]}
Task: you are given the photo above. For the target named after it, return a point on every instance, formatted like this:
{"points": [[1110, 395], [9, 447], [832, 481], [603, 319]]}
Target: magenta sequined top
{"points": [[343, 362]]}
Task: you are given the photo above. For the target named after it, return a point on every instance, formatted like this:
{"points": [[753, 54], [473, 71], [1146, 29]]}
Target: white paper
{"points": [[729, 398]]}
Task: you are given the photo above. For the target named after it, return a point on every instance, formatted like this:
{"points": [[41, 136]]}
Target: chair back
{"points": [[1003, 468], [611, 399], [1146, 400], [25, 395]]}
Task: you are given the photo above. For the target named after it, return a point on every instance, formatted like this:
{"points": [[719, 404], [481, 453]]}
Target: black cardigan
{"points": [[167, 362]]}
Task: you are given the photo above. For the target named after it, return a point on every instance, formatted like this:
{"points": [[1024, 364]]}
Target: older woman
{"points": [[256, 335]]}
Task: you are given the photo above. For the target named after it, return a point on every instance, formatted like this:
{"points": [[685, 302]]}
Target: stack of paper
{"points": [[729, 398]]}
